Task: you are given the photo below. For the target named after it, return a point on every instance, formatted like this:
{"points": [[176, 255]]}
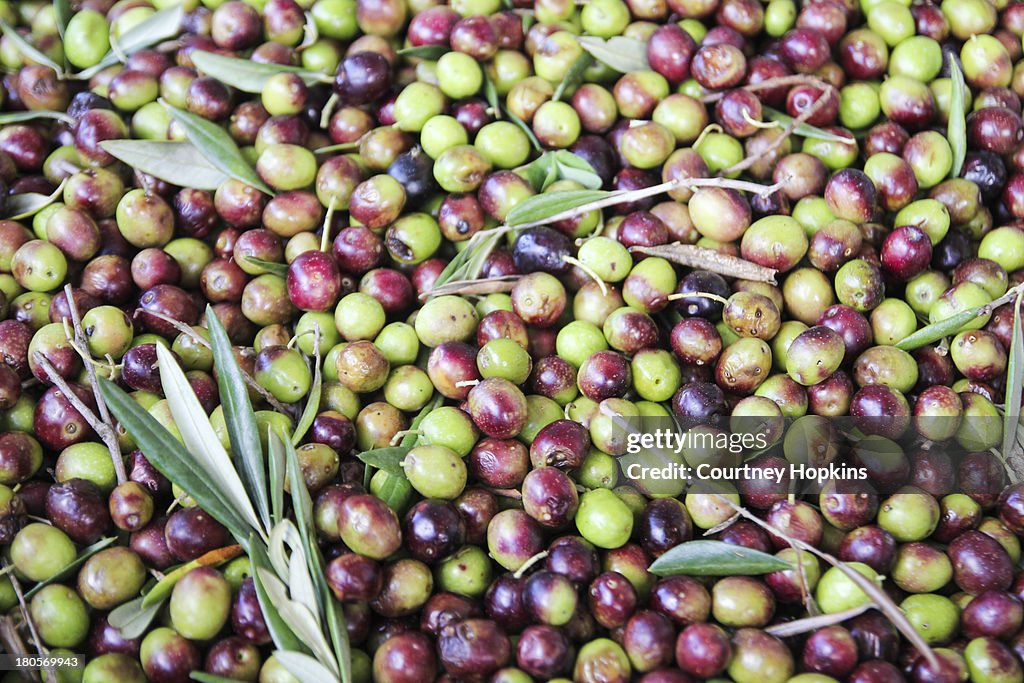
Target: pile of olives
{"points": [[384, 143]]}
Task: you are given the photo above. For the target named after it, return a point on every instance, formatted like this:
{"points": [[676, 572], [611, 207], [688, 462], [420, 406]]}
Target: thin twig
{"points": [[882, 601], [525, 567], [249, 381], [26, 615], [12, 642], [106, 429], [794, 628], [488, 285], [693, 256], [768, 84]]}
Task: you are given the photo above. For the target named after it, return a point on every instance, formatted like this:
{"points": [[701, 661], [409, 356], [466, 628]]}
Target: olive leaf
{"points": [[30, 203], [541, 206], [239, 417], [388, 459], [625, 55], [943, 328], [275, 454], [217, 146], [431, 52], [716, 558], [573, 76], [132, 619], [28, 50], [280, 632], [19, 116], [491, 95], [397, 488], [247, 75], [279, 269], [312, 406], [525, 127], [204, 677], [1014, 383], [72, 567], [542, 171], [298, 618], [170, 457], [62, 12], [956, 128], [159, 26], [198, 435], [576, 168], [303, 667], [805, 129], [164, 586], [177, 163]]}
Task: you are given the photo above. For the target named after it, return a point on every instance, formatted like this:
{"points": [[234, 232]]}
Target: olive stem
{"points": [[881, 600], [507, 493], [529, 563], [401, 434], [467, 383], [106, 429], [102, 429], [794, 628], [708, 130], [13, 643], [325, 237], [249, 381], [704, 295], [589, 271], [692, 256], [16, 585], [328, 110]]}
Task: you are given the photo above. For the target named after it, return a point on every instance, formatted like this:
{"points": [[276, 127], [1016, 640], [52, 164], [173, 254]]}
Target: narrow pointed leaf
{"points": [[397, 488], [159, 26], [525, 127], [491, 95], [625, 55], [388, 459], [28, 50], [247, 75], [19, 116], [62, 12], [239, 418], [300, 584], [540, 169], [304, 667], [541, 206], [432, 52], [170, 457], [572, 167], [214, 558], [279, 269], [936, 331], [218, 147], [277, 475], [309, 412], [573, 76], [1014, 382], [132, 619], [282, 635], [200, 438], [30, 203], [805, 129], [339, 637], [178, 163], [70, 570], [956, 128], [302, 504], [204, 677], [299, 619], [716, 558]]}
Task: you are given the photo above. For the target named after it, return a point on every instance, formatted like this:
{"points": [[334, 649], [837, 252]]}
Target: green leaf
{"points": [[397, 489], [239, 418], [716, 558], [157, 27], [280, 269], [312, 407], [164, 586], [303, 667], [625, 55], [1014, 382], [69, 571], [573, 76], [431, 52], [199, 437], [204, 677], [62, 12], [278, 467], [956, 129], [178, 163], [30, 203], [491, 95], [572, 167], [19, 116], [282, 635], [28, 50], [936, 331], [388, 459], [218, 147], [542, 206], [525, 127], [339, 637], [132, 619], [247, 75], [302, 505], [340, 147], [542, 171], [805, 129], [170, 457], [489, 241]]}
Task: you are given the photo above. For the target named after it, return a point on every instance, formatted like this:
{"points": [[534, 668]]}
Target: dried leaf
{"points": [[247, 75], [178, 163], [625, 55]]}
